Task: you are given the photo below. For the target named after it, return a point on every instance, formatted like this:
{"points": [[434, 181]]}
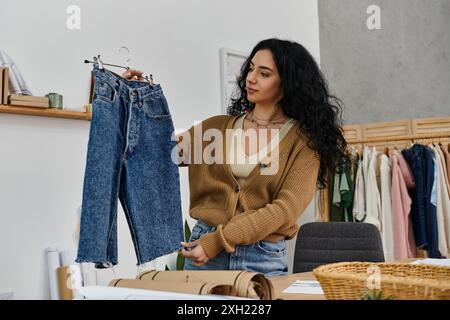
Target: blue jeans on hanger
{"points": [[129, 158], [423, 211], [268, 258]]}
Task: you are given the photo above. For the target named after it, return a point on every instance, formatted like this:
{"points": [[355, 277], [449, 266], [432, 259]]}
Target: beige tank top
{"points": [[242, 164]]}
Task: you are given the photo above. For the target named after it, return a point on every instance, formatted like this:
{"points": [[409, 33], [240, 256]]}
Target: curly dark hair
{"points": [[306, 98]]}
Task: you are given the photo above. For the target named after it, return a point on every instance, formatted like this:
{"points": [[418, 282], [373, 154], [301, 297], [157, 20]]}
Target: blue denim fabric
{"points": [[268, 258], [432, 227], [415, 157], [129, 158]]}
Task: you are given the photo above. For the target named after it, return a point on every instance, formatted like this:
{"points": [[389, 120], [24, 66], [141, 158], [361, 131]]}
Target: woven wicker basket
{"points": [[402, 281]]}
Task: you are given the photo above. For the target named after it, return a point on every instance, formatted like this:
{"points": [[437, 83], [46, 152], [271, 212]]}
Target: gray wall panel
{"points": [[398, 72]]}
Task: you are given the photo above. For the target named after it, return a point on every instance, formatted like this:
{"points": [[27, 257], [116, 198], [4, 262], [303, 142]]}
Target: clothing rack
{"points": [[398, 133], [412, 137], [384, 134]]}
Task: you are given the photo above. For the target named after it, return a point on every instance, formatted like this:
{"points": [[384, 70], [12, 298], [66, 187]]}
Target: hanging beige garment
{"points": [[447, 160], [373, 201], [444, 167]]}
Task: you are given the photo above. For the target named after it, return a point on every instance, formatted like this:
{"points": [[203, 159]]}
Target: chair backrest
{"points": [[321, 243]]}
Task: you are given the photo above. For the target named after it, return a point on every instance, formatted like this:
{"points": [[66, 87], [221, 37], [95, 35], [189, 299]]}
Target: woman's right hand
{"points": [[133, 74]]}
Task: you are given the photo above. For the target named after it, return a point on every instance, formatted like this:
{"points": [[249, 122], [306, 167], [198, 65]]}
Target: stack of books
{"points": [[28, 101], [18, 99]]}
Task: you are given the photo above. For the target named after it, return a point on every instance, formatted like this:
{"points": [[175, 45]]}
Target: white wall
{"points": [[42, 159]]}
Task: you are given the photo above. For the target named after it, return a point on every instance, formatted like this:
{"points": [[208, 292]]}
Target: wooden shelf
{"points": [[53, 113]]}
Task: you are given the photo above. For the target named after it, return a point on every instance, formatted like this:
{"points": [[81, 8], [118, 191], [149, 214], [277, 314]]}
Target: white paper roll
{"points": [[119, 293], [67, 258], [89, 274], [53, 264]]}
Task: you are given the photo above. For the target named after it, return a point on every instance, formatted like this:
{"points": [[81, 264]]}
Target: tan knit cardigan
{"points": [[266, 207]]}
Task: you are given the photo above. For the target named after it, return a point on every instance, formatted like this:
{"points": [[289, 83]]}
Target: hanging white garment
{"points": [[373, 201], [387, 233], [367, 154], [359, 201], [17, 84], [442, 205]]}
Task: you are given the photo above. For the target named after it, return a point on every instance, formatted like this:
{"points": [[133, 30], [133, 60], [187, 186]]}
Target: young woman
{"points": [[285, 137]]}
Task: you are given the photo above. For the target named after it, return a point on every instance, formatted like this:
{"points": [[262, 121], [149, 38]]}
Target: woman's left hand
{"points": [[196, 253]]}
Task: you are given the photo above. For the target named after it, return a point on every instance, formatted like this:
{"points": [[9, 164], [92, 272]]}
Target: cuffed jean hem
{"points": [[99, 264]]}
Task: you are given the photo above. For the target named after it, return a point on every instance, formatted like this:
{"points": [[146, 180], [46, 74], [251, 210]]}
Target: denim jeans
{"points": [[423, 211], [268, 258], [415, 157], [129, 158], [432, 227]]}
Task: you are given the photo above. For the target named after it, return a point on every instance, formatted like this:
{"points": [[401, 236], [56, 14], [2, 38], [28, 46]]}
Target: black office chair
{"points": [[321, 243]]}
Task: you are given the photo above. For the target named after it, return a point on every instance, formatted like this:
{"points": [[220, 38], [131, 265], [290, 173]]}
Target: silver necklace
{"points": [[267, 123]]}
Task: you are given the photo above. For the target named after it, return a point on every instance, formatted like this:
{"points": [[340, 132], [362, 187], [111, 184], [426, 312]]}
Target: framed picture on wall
{"points": [[230, 65]]}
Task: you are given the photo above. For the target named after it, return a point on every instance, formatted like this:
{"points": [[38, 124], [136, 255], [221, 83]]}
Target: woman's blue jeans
{"points": [[268, 258]]}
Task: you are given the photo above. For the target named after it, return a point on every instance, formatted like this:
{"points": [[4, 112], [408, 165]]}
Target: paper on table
{"points": [[435, 262], [305, 287], [119, 293]]}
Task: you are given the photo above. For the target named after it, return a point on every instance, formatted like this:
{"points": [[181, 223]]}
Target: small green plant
{"points": [[374, 295], [180, 257]]}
